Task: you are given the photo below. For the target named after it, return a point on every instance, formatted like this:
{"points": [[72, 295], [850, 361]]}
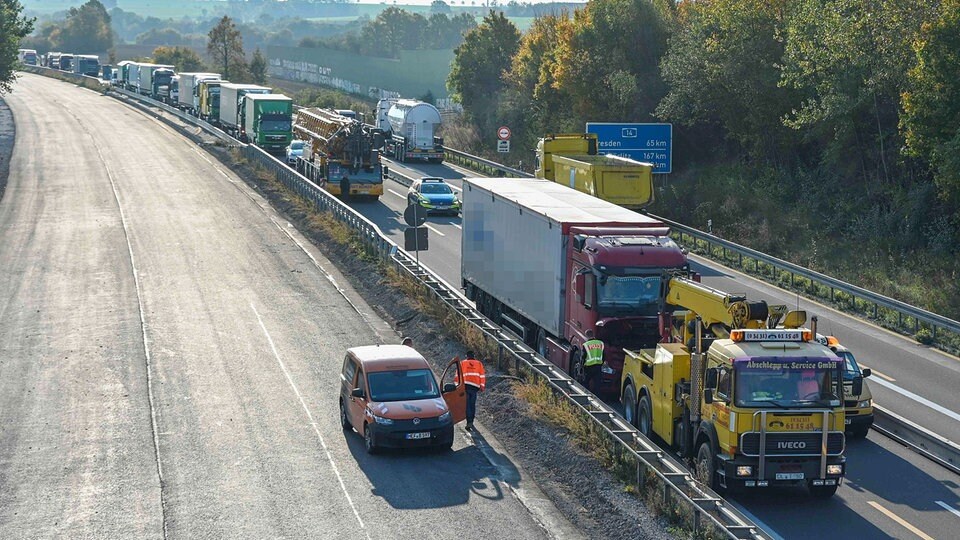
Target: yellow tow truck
{"points": [[755, 404]]}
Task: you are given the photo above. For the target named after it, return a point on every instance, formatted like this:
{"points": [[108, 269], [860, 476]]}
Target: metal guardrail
{"points": [[905, 312], [920, 439], [678, 483]]}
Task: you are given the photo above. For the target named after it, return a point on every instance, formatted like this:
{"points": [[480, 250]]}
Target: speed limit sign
{"points": [[503, 133]]}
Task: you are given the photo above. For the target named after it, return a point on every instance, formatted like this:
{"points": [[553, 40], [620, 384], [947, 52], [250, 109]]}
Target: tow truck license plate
{"points": [[789, 476], [420, 435], [847, 421]]}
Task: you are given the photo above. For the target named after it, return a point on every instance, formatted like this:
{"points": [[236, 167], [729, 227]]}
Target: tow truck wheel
{"points": [[368, 440], [822, 492], [859, 432], [629, 402], [344, 421], [644, 420], [706, 469]]}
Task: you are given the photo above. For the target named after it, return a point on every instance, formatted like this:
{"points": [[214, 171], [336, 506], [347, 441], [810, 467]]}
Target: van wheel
{"points": [[706, 466], [344, 421], [644, 419], [629, 401], [368, 440]]}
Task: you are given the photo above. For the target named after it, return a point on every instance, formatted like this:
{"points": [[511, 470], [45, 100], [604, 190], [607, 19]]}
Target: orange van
{"points": [[390, 395]]}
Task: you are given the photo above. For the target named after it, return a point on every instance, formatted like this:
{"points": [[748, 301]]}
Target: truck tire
{"points": [[706, 466], [542, 342], [645, 417], [576, 366], [629, 402], [344, 421], [822, 492]]}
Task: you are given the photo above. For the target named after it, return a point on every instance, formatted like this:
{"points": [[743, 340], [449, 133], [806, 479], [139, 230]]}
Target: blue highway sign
{"points": [[650, 143]]}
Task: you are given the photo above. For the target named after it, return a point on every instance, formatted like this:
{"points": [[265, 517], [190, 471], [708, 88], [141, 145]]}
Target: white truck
{"points": [[231, 104], [409, 129], [189, 83], [152, 76]]}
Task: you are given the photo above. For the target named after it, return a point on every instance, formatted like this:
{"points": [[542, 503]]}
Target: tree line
{"points": [[820, 128]]}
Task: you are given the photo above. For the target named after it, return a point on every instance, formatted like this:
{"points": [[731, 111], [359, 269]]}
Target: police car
{"points": [[434, 195]]}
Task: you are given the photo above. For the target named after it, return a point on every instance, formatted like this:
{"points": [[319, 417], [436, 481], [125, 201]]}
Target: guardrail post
{"points": [[641, 477]]}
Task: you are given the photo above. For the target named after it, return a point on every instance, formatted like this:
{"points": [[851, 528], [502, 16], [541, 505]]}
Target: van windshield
{"points": [[402, 385]]}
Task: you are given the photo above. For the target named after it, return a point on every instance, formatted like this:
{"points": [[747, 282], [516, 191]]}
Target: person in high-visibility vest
{"points": [[592, 360], [474, 381]]}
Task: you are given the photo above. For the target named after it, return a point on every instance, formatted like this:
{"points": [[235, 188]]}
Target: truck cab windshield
{"points": [[786, 388], [275, 125], [619, 293]]}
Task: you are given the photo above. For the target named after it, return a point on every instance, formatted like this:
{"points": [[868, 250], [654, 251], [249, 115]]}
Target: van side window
{"points": [[349, 369], [361, 382]]}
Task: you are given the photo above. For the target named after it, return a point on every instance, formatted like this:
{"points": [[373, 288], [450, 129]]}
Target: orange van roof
{"points": [[388, 357]]}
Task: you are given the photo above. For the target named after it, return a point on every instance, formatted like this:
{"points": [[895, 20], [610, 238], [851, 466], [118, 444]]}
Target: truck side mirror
{"points": [[867, 372], [857, 386], [711, 381], [708, 395]]}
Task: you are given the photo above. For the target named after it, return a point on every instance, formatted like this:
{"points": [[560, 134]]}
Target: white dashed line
{"points": [[397, 194], [434, 229], [949, 508], [313, 423]]}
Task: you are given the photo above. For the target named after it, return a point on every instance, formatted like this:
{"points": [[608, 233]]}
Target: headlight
{"points": [[444, 418], [744, 470], [835, 469], [383, 421], [864, 403], [607, 369]]}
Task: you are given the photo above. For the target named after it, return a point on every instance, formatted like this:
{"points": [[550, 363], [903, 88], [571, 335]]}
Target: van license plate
{"points": [[789, 476], [420, 435]]}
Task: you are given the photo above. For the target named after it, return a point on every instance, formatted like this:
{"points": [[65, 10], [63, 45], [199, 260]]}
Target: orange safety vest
{"points": [[473, 373]]}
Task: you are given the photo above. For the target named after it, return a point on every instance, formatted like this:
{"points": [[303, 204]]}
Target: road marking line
{"points": [[313, 423], [904, 523], [457, 226], [878, 374], [435, 230], [949, 508], [921, 400], [397, 194]]}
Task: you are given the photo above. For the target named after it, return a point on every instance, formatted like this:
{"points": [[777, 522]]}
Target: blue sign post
{"points": [[650, 143]]}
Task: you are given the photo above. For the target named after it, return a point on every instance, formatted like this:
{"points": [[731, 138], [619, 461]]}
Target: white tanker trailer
{"points": [[409, 127]]}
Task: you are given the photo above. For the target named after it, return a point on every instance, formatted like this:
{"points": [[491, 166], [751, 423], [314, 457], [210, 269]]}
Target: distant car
{"points": [[434, 195], [389, 394], [294, 151]]}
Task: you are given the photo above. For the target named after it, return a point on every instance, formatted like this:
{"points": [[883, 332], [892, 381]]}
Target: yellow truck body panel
{"points": [[618, 180]]}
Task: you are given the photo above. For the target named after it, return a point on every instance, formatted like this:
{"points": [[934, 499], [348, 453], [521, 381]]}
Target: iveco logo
{"points": [[791, 445], [416, 421]]}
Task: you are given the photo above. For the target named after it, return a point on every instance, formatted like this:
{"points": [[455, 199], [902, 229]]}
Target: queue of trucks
{"points": [[81, 64], [741, 388]]}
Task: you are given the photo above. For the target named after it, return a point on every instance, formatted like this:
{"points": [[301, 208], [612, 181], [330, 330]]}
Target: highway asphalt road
{"points": [[885, 483], [170, 350]]}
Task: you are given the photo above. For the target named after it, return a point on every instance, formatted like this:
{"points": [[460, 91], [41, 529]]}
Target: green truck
{"points": [[267, 121]]}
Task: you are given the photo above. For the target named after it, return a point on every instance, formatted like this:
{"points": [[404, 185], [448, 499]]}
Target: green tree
{"points": [[160, 36], [931, 103], [849, 59], [476, 74], [722, 69], [535, 102], [13, 27], [184, 58], [611, 64], [225, 47], [86, 30], [258, 68]]}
